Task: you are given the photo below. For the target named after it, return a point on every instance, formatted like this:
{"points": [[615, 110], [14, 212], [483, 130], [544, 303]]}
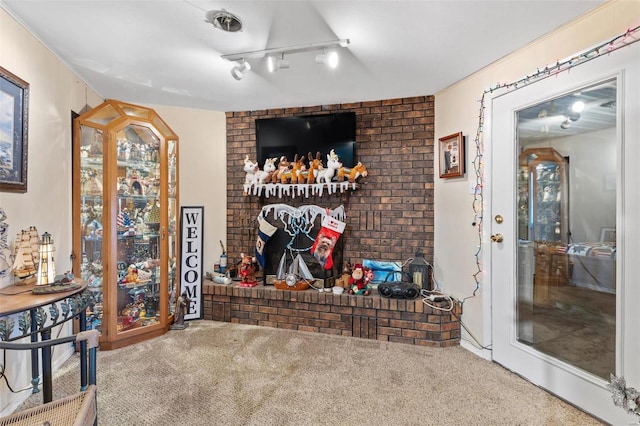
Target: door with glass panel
{"points": [[561, 155]]}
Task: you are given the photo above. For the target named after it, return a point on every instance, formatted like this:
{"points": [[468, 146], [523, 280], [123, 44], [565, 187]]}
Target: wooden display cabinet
{"points": [[543, 196], [552, 271], [125, 204]]}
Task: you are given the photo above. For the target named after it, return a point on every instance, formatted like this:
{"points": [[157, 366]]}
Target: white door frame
{"points": [[552, 374]]}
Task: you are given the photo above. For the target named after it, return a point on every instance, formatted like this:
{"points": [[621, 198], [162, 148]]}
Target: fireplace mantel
{"points": [[304, 190]]}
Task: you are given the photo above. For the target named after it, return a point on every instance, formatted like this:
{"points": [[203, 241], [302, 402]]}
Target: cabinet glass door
{"points": [[172, 207], [543, 196], [91, 212], [548, 196], [137, 227]]}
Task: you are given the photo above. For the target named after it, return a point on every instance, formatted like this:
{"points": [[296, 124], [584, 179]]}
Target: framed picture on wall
{"points": [[452, 160], [14, 121]]}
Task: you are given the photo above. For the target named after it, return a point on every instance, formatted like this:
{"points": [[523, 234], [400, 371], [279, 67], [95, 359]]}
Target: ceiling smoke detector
{"points": [[224, 20]]}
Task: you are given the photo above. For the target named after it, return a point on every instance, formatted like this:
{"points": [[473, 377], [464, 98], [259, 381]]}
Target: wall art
{"points": [[14, 125]]}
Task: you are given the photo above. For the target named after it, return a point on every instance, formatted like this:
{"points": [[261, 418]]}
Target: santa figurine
{"points": [[247, 271], [358, 282]]}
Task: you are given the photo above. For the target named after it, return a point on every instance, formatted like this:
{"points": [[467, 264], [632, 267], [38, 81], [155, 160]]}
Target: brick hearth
{"points": [[369, 317]]}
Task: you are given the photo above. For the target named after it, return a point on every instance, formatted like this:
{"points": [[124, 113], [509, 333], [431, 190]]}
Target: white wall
{"points": [[54, 92], [457, 108], [202, 168]]}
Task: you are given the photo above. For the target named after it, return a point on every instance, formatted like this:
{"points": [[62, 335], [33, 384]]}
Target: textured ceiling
{"points": [[163, 52]]}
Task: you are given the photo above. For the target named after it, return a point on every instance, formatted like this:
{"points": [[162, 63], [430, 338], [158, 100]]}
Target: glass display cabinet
{"points": [[543, 219], [125, 202], [543, 196]]}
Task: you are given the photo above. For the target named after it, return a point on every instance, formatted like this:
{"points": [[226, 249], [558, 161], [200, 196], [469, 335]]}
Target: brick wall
{"points": [[390, 215], [369, 317]]}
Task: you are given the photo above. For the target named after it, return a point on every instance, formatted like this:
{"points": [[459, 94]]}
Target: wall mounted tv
{"points": [[288, 136]]}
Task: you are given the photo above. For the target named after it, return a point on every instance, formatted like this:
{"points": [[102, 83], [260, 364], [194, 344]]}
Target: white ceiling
{"points": [[163, 52]]}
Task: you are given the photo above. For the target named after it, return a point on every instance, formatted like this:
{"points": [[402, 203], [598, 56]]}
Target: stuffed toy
{"points": [[247, 269], [343, 280], [322, 248], [358, 281], [352, 173]]}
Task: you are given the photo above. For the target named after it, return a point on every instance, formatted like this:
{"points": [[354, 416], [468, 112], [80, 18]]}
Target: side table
{"points": [[32, 321]]}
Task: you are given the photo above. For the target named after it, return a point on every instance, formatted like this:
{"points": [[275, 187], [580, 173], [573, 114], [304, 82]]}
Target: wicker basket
{"points": [[77, 410]]}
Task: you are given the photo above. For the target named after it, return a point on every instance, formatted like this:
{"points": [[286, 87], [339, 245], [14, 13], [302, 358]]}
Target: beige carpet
{"points": [[215, 373]]}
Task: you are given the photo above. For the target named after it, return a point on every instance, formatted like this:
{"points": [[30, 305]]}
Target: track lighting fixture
{"points": [[240, 70], [566, 123], [328, 56], [274, 63]]}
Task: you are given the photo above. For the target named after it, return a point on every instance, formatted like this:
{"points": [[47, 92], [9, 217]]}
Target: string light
{"points": [[625, 39]]}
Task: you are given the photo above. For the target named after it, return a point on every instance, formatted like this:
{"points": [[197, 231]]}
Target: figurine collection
{"points": [[297, 172]]}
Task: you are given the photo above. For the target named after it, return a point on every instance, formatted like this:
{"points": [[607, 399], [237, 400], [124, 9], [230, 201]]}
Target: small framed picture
{"points": [[452, 161], [607, 234]]}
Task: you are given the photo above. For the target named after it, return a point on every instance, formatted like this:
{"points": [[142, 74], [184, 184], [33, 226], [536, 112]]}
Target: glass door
{"points": [[91, 195], [138, 230], [570, 310], [172, 211], [561, 154]]}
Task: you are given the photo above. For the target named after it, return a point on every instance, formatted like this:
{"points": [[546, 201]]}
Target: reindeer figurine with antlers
{"points": [[315, 164]]}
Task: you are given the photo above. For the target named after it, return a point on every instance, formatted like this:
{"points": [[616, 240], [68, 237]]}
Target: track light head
{"points": [[329, 58], [578, 106], [274, 64], [240, 70]]}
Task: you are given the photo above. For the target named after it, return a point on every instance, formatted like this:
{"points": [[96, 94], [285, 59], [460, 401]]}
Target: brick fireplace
{"points": [[390, 215], [388, 218]]}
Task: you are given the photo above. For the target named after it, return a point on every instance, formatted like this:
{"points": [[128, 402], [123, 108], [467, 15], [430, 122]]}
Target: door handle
{"points": [[497, 238]]}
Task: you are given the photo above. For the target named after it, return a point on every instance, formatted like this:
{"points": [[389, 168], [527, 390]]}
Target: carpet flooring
{"points": [[215, 373]]}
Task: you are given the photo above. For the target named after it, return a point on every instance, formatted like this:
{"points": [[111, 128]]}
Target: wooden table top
{"points": [[19, 298]]}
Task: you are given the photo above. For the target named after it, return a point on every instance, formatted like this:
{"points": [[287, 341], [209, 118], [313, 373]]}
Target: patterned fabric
{"points": [[605, 250]]}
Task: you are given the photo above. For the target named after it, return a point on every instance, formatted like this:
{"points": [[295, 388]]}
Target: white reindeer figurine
{"points": [[333, 164], [264, 175], [250, 168]]}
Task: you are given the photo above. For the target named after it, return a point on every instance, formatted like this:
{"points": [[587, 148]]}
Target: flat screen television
{"points": [[288, 136]]}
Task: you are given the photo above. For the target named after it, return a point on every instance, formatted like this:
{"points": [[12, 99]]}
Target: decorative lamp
{"points": [[419, 270], [46, 266]]}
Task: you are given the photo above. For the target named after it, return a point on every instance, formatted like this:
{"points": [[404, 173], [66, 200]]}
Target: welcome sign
{"points": [[191, 259]]}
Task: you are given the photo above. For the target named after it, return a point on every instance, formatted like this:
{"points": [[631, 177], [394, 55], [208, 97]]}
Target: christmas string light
{"points": [[622, 40]]}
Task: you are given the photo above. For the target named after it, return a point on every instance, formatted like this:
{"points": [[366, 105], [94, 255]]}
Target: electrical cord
{"points": [[475, 342], [4, 363], [429, 297]]}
